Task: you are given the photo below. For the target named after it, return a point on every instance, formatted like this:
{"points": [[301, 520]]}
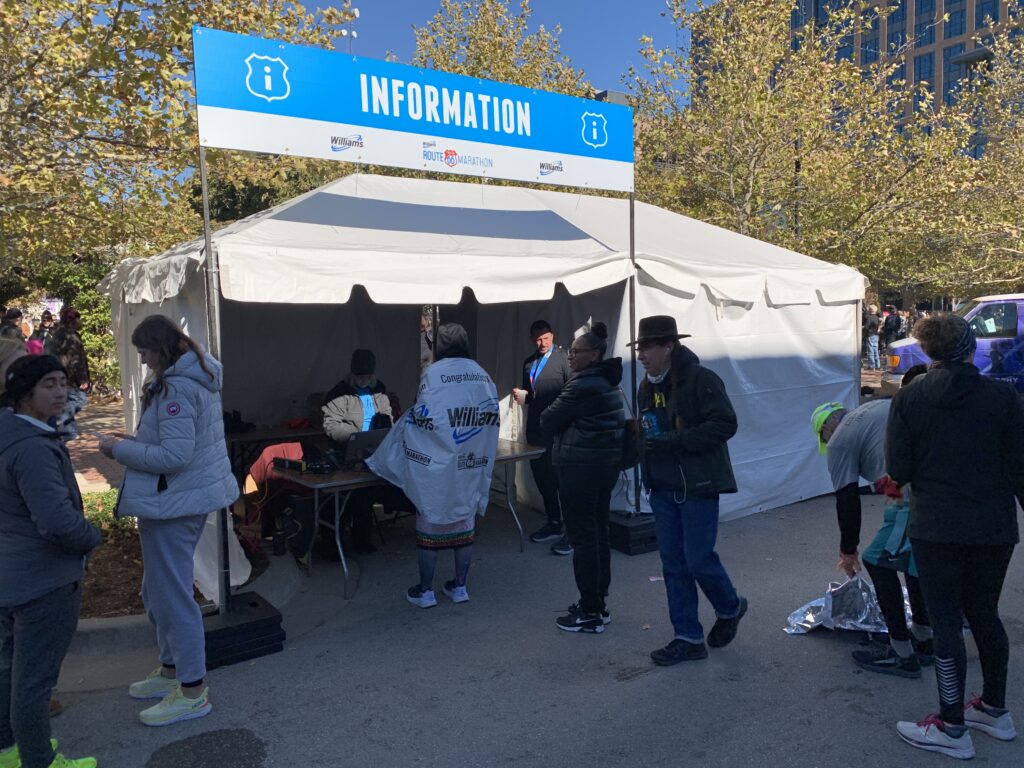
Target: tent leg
{"points": [[213, 344], [632, 336]]}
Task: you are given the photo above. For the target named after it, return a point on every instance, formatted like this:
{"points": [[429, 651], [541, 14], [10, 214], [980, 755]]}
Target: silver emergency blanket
{"points": [[850, 605]]}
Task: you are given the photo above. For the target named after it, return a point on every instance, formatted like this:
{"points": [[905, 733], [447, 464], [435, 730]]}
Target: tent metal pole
{"points": [[213, 344], [435, 320], [632, 335]]}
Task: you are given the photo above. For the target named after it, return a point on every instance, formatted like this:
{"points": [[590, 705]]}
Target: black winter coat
{"points": [[587, 421], [544, 391], [958, 438], [703, 422]]}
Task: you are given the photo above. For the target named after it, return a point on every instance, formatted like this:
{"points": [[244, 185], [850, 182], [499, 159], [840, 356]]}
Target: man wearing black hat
{"points": [[544, 374], [42, 333], [687, 419], [358, 403]]}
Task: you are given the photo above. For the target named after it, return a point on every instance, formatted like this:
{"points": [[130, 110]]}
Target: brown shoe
{"points": [[55, 707]]}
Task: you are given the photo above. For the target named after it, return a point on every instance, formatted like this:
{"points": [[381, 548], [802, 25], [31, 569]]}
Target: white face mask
{"points": [[657, 379]]}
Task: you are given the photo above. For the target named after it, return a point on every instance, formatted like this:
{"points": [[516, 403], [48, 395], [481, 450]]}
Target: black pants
{"points": [[890, 600], [960, 581], [586, 493], [33, 641], [545, 477]]}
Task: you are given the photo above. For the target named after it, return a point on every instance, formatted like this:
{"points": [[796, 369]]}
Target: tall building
{"points": [[939, 50]]}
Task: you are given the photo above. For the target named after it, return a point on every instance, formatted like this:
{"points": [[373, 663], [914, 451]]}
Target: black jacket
{"points": [[958, 438], [43, 534], [703, 422], [545, 389], [587, 421]]}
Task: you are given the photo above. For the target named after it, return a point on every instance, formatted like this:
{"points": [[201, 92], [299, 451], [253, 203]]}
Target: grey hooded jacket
{"points": [[44, 536], [178, 465]]}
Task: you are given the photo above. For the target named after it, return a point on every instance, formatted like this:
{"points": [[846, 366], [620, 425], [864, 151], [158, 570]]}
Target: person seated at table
{"points": [[358, 403]]}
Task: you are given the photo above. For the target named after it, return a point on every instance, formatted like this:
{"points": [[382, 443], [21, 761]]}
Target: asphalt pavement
{"points": [[375, 682]]}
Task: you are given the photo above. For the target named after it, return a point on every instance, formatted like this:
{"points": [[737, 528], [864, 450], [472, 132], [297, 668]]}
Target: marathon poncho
{"points": [[441, 452]]}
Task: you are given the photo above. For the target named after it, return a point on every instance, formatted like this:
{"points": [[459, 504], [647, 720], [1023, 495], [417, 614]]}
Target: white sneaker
{"points": [[175, 707], [930, 736], [156, 686], [455, 593], [421, 598], [1000, 727]]}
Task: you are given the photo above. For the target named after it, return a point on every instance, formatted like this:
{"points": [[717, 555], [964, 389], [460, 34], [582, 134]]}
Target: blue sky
{"points": [[600, 36]]}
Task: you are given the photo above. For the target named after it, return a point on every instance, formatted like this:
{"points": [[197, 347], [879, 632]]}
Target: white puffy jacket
{"points": [[178, 465]]}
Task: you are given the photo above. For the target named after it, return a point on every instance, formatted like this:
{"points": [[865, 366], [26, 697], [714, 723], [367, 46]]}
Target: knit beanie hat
{"points": [[25, 373], [8, 349], [364, 362]]}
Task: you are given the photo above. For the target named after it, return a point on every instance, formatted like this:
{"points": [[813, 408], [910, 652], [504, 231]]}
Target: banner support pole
{"points": [[213, 345], [632, 335]]}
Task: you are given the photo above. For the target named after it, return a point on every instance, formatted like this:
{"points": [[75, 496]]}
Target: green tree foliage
{"points": [[796, 144]]}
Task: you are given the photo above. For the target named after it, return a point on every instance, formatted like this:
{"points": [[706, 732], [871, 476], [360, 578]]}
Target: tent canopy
{"points": [[416, 241], [780, 328]]}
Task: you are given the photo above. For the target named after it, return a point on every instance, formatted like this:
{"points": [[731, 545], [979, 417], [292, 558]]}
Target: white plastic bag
{"points": [[205, 559], [511, 420]]}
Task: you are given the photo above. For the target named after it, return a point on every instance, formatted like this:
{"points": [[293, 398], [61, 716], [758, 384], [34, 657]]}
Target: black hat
{"points": [[25, 373], [658, 328], [47, 315], [13, 313], [364, 362]]}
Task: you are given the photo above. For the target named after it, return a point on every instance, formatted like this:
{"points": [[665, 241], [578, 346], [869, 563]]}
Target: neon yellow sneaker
{"points": [[12, 757], [176, 707], [66, 762], [155, 686]]}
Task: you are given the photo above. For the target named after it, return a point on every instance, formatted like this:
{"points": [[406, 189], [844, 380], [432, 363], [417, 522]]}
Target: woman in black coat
{"points": [[957, 438], [587, 423]]}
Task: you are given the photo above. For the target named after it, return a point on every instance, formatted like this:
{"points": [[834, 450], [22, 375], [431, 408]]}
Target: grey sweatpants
{"points": [[168, 547], [33, 640]]}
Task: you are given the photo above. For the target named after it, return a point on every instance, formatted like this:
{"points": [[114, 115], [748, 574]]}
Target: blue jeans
{"points": [[687, 531], [874, 362]]}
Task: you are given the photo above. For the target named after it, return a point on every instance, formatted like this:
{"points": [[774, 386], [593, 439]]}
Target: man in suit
{"points": [[544, 374]]}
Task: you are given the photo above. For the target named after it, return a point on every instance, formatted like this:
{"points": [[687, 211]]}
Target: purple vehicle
{"points": [[998, 323]]}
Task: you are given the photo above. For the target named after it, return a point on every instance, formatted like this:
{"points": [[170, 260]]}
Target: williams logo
{"points": [[469, 421], [595, 130], [343, 143], [268, 77], [472, 461], [546, 169], [429, 144]]}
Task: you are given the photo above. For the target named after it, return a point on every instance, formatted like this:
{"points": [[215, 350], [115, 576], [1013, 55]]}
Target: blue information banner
{"points": [[266, 96]]}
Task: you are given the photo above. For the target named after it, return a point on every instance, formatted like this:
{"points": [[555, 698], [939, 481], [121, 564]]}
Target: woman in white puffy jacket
{"points": [[177, 472]]}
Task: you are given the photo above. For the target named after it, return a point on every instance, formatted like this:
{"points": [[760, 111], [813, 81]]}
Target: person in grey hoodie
{"points": [[177, 473], [44, 539]]}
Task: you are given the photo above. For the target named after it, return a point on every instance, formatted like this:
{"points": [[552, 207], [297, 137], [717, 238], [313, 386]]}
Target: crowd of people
{"points": [[879, 329], [950, 529]]}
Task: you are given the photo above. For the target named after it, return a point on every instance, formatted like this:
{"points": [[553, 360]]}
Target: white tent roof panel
{"points": [[415, 241]]}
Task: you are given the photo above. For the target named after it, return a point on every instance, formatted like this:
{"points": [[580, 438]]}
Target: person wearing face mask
{"points": [[358, 403], [687, 420], [585, 426], [44, 539]]}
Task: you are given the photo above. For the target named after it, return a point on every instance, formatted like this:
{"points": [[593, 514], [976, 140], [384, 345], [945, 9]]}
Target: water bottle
{"points": [[650, 424]]}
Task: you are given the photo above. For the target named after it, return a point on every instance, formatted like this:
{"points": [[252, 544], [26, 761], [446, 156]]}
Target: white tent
{"points": [[782, 329]]}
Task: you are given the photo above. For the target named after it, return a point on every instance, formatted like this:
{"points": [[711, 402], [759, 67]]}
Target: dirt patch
{"points": [[114, 577]]}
